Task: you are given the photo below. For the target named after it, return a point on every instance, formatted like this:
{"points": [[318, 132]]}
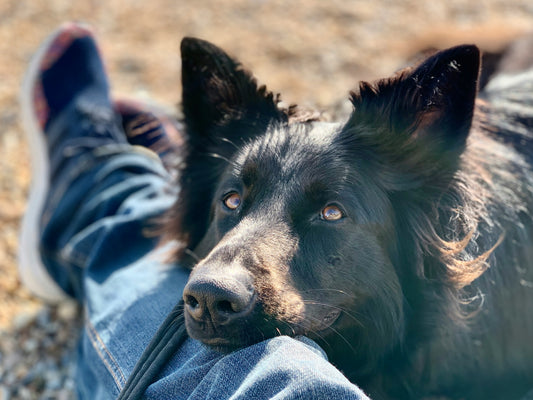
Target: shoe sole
{"points": [[32, 272]]}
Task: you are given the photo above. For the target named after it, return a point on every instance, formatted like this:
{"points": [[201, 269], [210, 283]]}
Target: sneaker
{"points": [[66, 65], [152, 127]]}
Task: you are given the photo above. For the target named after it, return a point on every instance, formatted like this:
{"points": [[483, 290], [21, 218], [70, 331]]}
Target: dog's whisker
{"points": [[336, 332], [307, 331], [192, 254], [291, 327], [216, 155], [226, 140], [337, 291], [344, 339]]}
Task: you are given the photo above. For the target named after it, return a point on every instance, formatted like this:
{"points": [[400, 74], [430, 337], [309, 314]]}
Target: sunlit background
{"points": [[313, 52]]}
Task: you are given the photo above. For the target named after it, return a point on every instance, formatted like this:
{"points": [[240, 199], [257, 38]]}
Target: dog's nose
{"points": [[220, 300]]}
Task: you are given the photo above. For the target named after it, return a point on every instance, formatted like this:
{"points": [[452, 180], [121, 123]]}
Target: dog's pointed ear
{"points": [[218, 91], [223, 108], [421, 118], [444, 90]]}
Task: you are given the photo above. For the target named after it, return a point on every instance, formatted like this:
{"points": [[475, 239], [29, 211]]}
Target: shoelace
{"points": [[168, 338]]}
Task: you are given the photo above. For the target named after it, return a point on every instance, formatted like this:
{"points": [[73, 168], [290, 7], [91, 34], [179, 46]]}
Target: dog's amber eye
{"points": [[232, 201], [331, 213]]}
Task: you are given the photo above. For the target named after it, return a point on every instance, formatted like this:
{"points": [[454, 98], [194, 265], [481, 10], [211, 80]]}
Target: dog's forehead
{"points": [[319, 134], [287, 148]]}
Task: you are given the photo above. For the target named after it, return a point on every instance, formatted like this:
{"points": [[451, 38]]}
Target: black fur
{"points": [[424, 285]]}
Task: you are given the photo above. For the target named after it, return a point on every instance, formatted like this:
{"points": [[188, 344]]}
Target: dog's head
{"points": [[312, 227]]}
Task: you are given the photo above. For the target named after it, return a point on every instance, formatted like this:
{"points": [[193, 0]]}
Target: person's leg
{"points": [[101, 197], [94, 197]]}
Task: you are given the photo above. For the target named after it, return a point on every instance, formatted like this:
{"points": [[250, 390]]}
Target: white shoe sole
{"points": [[32, 271]]}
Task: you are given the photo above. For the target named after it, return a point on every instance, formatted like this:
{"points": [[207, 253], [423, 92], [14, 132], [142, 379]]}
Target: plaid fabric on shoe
{"points": [[151, 127]]}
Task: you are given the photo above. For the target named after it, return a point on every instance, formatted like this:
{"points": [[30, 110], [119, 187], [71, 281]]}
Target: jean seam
{"points": [[102, 351]]}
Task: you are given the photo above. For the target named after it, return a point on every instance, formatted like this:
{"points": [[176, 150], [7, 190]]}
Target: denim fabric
{"points": [[105, 196]]}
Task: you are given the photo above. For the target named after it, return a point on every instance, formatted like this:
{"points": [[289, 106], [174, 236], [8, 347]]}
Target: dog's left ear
{"points": [[418, 121]]}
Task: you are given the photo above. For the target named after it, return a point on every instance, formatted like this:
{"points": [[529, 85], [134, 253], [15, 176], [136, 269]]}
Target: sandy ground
{"points": [[313, 52]]}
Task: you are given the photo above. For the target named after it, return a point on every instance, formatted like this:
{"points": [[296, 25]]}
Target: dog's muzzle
{"points": [[216, 303]]}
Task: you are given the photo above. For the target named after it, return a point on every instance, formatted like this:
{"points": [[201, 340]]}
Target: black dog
{"points": [[399, 240]]}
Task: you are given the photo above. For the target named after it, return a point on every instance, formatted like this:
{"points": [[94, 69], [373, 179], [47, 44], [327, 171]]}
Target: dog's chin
{"points": [[223, 340], [222, 345]]}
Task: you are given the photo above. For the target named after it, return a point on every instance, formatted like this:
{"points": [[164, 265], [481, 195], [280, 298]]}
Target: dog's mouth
{"points": [[227, 336], [329, 319], [217, 341], [254, 329], [320, 321]]}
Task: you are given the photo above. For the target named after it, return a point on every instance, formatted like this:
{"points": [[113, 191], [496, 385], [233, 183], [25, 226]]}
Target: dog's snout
{"points": [[219, 300]]}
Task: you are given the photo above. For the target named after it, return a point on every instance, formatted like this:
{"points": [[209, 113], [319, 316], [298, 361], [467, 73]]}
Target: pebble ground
{"points": [[312, 51]]}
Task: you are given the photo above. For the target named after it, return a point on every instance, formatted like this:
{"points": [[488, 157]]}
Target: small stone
{"points": [[70, 383], [30, 345], [51, 327], [23, 320], [5, 393], [64, 394], [24, 393], [11, 361], [53, 380], [21, 370], [43, 317], [67, 310]]}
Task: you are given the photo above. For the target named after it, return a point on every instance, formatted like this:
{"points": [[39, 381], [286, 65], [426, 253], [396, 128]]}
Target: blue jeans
{"points": [[105, 199]]}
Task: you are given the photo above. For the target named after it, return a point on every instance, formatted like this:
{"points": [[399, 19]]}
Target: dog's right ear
{"points": [[223, 108], [218, 92]]}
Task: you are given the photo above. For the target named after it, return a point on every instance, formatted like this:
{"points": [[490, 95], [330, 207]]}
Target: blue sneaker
{"points": [[67, 67]]}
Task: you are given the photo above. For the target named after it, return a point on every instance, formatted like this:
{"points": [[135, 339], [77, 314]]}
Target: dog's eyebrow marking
{"points": [[249, 173], [317, 193]]}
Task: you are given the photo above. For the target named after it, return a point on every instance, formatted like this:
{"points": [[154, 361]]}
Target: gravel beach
{"points": [[312, 51]]}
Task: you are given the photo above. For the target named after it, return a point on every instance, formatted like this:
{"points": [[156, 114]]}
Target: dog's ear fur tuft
{"points": [[422, 116], [217, 90], [223, 108]]}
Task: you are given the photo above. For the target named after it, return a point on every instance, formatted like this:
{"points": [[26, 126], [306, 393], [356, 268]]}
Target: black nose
{"points": [[221, 300]]}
